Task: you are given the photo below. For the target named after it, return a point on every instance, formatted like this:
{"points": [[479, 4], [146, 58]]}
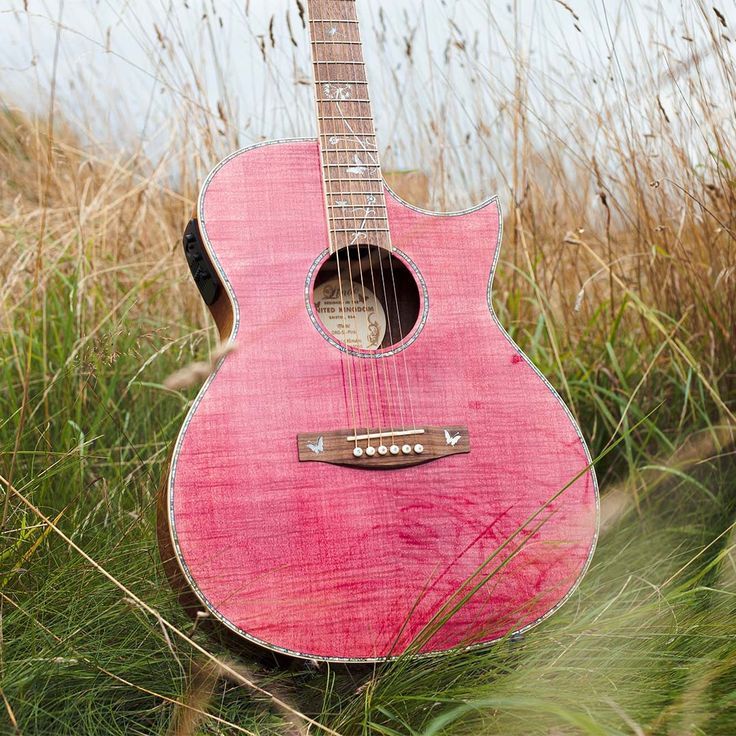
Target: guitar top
{"points": [[375, 468]]}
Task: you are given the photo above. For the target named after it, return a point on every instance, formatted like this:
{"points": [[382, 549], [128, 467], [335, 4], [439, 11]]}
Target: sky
{"points": [[123, 66]]}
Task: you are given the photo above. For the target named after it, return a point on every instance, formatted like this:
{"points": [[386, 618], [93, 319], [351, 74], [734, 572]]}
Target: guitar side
{"points": [[345, 564]]}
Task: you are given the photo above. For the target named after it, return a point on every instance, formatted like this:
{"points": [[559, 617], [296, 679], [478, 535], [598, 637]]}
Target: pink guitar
{"points": [[375, 468]]}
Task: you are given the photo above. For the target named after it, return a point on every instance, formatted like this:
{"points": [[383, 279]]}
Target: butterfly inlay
{"points": [[318, 446], [452, 439]]}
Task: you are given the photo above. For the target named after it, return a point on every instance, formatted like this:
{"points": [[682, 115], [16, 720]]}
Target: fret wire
{"points": [[336, 62], [359, 229], [333, 20], [348, 136], [346, 117], [349, 150], [342, 195], [359, 206], [329, 173], [357, 149], [362, 135], [349, 99], [337, 43], [355, 181]]}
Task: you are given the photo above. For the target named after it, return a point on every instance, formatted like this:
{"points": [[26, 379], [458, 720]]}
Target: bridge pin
{"points": [[418, 448], [358, 452], [406, 449], [394, 449], [382, 450], [370, 451]]}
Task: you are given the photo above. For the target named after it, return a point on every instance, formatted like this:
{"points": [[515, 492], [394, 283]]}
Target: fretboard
{"points": [[354, 195]]}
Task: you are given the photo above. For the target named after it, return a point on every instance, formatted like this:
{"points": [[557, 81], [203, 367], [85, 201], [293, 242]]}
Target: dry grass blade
{"points": [[608, 134], [623, 498], [223, 667], [195, 711]]}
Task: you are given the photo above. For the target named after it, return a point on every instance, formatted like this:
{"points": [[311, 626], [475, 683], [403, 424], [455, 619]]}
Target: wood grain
{"points": [[333, 562]]}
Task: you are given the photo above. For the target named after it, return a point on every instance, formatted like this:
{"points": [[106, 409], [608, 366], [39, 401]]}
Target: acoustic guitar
{"points": [[375, 468]]}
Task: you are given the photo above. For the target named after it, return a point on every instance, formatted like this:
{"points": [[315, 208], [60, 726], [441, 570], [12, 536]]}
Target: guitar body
{"points": [[334, 562]]}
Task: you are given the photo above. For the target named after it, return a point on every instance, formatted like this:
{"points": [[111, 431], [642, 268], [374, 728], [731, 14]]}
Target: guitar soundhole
{"points": [[366, 298]]}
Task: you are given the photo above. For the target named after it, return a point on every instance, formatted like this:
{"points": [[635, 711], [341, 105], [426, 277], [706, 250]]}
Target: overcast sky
{"points": [[117, 80]]}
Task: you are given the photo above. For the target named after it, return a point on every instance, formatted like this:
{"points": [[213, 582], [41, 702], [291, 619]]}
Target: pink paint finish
{"points": [[339, 563]]}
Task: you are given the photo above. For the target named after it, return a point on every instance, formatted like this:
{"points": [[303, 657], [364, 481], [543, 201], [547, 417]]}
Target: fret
{"points": [[336, 160], [332, 157], [345, 117], [357, 217], [343, 196], [334, 20], [354, 179], [355, 193], [346, 99], [332, 151], [346, 134], [337, 43], [343, 81], [339, 61], [349, 137], [359, 229]]}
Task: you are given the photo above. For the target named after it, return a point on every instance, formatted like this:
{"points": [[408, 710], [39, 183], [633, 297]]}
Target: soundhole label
{"points": [[366, 301], [351, 313]]}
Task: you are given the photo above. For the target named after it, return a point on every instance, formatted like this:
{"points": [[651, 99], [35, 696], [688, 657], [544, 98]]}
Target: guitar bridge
{"points": [[381, 449]]}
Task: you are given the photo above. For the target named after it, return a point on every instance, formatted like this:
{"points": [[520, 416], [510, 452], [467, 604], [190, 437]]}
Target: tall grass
{"points": [[617, 277]]}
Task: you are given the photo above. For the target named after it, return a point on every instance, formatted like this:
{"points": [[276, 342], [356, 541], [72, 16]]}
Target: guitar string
{"points": [[358, 369], [393, 279], [362, 228], [389, 323], [371, 162], [345, 362], [361, 379], [355, 241], [384, 363]]}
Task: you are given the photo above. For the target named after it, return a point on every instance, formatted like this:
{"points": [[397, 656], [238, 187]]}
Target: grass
{"points": [[618, 278]]}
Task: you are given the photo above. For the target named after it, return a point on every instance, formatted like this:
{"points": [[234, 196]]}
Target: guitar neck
{"points": [[351, 171]]}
